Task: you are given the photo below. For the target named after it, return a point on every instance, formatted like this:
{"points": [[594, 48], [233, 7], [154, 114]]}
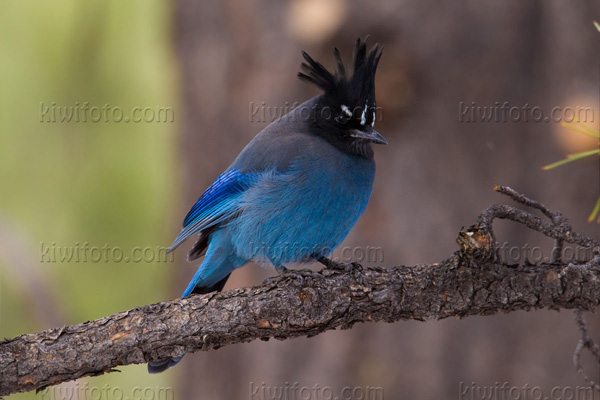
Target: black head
{"points": [[346, 111]]}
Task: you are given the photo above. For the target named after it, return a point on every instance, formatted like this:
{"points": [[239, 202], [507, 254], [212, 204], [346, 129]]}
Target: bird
{"points": [[296, 190]]}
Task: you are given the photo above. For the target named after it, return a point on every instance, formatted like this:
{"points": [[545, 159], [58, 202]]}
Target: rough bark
{"points": [[305, 303], [301, 303]]}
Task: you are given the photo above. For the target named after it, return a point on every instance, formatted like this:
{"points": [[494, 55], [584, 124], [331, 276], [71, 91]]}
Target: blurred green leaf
{"points": [[595, 212], [572, 157], [578, 127], [105, 183]]}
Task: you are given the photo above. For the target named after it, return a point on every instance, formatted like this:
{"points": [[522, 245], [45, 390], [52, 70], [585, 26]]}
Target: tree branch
{"points": [[304, 303]]}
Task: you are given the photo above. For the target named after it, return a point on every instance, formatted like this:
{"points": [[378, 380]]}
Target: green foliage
{"points": [[577, 127], [104, 183]]}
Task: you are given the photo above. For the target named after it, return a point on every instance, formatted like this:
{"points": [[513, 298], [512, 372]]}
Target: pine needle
{"points": [[571, 157], [595, 212]]}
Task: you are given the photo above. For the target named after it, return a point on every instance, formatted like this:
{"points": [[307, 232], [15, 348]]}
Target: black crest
{"points": [[353, 91]]}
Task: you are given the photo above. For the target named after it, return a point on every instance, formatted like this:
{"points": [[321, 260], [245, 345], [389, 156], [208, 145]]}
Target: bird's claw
{"points": [[283, 271], [353, 268], [357, 269]]}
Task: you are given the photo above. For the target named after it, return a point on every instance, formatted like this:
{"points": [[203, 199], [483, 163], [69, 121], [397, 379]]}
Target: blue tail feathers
{"points": [[210, 277], [155, 367]]}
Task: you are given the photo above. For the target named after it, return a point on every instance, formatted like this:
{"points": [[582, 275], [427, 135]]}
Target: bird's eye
{"points": [[342, 118], [345, 115]]}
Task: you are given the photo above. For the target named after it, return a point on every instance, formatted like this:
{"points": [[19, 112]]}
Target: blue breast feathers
{"points": [[304, 212]]}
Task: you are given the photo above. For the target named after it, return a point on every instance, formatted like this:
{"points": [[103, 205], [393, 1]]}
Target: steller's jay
{"points": [[296, 190]]}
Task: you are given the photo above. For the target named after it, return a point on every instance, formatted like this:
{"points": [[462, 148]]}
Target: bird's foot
{"points": [[353, 268], [281, 270], [330, 264]]}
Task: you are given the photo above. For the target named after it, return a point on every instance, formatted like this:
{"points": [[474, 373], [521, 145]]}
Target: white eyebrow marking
{"points": [[346, 110], [363, 119]]}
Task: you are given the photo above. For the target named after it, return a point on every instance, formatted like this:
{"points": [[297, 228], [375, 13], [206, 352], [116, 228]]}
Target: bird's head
{"points": [[345, 113]]}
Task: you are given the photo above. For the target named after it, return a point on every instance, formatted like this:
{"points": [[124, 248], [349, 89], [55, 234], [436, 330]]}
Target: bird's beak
{"points": [[369, 134]]}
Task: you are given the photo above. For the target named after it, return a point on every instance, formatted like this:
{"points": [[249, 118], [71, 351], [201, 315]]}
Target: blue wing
{"points": [[218, 203]]}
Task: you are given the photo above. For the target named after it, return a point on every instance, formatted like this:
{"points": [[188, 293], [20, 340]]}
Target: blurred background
{"points": [[163, 95]]}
